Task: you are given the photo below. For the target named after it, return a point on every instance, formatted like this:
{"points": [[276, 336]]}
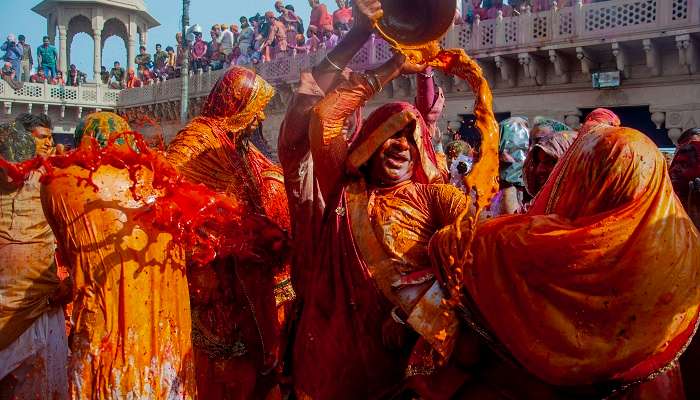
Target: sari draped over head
{"points": [[236, 305], [600, 118], [515, 137], [544, 127], [554, 144], [212, 149], [381, 125], [339, 352], [602, 286], [101, 126]]}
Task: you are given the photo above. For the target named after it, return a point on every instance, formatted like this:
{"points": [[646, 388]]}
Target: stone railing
{"points": [[88, 95], [579, 25]]}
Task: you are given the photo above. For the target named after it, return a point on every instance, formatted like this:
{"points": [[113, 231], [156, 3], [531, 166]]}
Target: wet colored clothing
{"points": [[354, 277], [604, 281], [131, 304], [239, 307], [33, 345]]}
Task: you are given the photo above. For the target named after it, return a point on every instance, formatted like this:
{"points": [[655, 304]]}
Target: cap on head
{"points": [[102, 126]]}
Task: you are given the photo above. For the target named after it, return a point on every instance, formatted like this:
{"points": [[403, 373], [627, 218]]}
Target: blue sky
{"points": [[19, 19]]}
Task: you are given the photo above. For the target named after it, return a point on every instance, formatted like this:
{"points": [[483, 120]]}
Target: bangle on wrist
{"points": [[396, 317], [372, 84], [332, 64], [377, 82]]}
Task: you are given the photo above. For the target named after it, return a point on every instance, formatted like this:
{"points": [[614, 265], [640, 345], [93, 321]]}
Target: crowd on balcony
{"points": [[489, 9], [18, 64], [253, 40]]}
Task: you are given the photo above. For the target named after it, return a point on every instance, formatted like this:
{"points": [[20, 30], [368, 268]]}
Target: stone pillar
{"points": [[97, 49], [62, 49], [143, 39], [131, 53]]}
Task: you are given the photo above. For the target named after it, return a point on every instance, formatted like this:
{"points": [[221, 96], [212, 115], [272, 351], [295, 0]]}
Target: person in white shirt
{"points": [[226, 42]]}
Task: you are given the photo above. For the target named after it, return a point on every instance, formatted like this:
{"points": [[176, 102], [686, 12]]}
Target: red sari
{"points": [[345, 288], [238, 305]]}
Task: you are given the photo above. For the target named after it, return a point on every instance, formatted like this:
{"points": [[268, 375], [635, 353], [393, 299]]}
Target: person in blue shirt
{"points": [[46, 58], [13, 53]]}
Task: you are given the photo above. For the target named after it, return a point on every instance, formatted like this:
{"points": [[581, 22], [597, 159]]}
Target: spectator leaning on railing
{"points": [[143, 60], [116, 76], [104, 75], [39, 77]]}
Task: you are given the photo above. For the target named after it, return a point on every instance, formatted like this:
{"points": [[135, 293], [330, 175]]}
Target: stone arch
{"points": [[115, 27], [78, 24]]}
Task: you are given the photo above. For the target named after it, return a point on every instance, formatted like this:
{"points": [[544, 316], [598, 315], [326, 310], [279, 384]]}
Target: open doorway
{"points": [[639, 118]]}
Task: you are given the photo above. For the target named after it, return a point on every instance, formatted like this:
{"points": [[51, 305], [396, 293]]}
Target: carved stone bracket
{"points": [[653, 56], [586, 59], [561, 65], [533, 67], [621, 59], [507, 67], [687, 52]]}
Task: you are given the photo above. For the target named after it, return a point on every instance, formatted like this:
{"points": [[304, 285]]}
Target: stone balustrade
{"points": [[88, 96]]}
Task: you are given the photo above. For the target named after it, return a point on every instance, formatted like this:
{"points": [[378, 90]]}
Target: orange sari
{"points": [[131, 303], [239, 307], [602, 287]]}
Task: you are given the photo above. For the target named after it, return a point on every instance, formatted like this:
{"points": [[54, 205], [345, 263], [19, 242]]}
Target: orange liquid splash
{"points": [[206, 223], [482, 181]]}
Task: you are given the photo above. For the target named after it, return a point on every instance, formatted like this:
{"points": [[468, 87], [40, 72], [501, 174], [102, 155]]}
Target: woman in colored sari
{"points": [[238, 306], [131, 306], [544, 154], [598, 292], [515, 137]]}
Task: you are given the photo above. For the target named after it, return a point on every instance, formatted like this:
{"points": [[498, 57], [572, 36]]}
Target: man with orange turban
{"points": [[131, 304], [597, 293], [238, 306]]}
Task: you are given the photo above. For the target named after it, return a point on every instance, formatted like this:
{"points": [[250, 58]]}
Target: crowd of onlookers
{"points": [[489, 9], [252, 40], [18, 64]]}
